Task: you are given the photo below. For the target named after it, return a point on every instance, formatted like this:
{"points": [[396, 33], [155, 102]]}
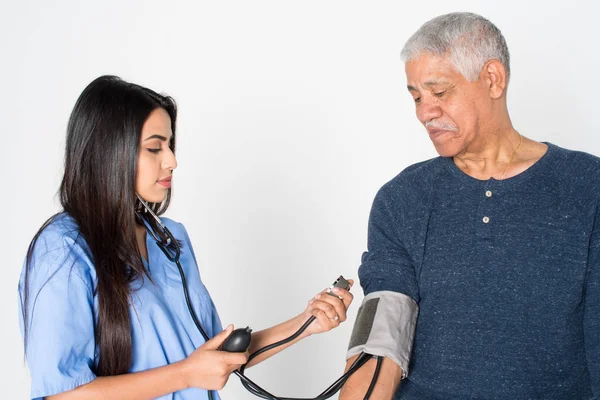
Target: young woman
{"points": [[104, 313]]}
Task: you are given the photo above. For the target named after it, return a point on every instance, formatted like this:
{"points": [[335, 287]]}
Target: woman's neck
{"points": [[140, 234]]}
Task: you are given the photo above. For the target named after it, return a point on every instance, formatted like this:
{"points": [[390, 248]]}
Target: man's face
{"points": [[447, 104]]}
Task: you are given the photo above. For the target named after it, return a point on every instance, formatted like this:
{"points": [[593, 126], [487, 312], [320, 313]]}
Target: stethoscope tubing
{"points": [[170, 247]]}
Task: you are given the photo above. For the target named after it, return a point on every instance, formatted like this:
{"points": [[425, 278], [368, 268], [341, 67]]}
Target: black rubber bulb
{"points": [[238, 341]]}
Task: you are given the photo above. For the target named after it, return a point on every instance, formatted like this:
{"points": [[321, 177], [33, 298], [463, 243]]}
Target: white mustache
{"points": [[440, 125]]}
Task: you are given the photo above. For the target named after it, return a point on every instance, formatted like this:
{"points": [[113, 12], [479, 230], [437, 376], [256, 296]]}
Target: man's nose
{"points": [[428, 109]]}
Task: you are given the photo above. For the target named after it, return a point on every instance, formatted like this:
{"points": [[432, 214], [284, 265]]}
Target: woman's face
{"points": [[156, 161]]}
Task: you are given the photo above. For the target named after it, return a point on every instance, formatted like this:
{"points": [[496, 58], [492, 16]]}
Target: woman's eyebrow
{"points": [[156, 136]]}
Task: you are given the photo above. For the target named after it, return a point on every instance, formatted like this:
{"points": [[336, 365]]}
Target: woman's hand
{"points": [[329, 310], [209, 368]]}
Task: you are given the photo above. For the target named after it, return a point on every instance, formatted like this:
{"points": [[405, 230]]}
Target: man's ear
{"points": [[494, 75]]}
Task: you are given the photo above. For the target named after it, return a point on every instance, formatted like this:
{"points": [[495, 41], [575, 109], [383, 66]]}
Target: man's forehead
{"points": [[430, 71]]}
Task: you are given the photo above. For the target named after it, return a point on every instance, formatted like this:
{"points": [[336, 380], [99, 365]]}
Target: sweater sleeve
{"points": [[387, 264], [592, 307], [386, 321]]}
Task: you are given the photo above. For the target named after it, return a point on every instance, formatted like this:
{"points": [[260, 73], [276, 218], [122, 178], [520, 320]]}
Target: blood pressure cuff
{"points": [[385, 326]]}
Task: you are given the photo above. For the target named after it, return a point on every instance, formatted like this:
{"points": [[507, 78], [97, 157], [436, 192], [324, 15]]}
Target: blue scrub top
{"points": [[62, 311]]}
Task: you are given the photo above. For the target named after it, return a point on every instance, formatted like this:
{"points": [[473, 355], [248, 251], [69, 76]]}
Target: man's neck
{"points": [[489, 155], [491, 158]]}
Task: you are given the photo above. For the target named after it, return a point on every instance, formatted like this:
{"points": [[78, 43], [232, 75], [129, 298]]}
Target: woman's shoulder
{"points": [[180, 233], [60, 232], [171, 223], [58, 227], [60, 249], [177, 228]]}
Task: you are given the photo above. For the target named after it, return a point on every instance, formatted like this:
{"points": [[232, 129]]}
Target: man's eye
{"points": [[439, 94], [154, 151]]}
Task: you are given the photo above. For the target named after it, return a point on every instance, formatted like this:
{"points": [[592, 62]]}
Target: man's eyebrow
{"points": [[428, 84], [435, 83], [156, 136]]}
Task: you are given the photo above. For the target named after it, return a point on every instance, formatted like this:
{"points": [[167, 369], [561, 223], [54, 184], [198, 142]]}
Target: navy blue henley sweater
{"points": [[506, 275]]}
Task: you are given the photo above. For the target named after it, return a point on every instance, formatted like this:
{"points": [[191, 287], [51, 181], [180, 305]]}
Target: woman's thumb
{"points": [[217, 341]]}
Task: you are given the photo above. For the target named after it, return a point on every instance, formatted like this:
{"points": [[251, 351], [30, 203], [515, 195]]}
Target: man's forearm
{"points": [[389, 378]]}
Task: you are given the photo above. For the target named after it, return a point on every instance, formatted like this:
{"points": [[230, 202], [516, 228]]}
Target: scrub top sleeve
{"points": [[592, 308], [387, 266], [60, 344], [216, 321]]}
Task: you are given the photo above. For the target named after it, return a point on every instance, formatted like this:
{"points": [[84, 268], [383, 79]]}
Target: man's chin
{"points": [[446, 149]]}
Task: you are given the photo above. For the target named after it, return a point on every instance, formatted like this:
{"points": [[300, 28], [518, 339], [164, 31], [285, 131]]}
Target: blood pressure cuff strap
{"points": [[385, 326]]}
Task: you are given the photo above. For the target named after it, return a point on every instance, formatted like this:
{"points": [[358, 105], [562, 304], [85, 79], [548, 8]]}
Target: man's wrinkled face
{"points": [[447, 104]]}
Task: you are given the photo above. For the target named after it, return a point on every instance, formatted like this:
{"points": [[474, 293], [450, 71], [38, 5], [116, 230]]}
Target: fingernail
{"points": [[318, 296], [336, 290]]}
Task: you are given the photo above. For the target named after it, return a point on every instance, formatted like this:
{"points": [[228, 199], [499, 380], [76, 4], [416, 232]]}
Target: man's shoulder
{"points": [[576, 167], [576, 158], [416, 177], [413, 185]]}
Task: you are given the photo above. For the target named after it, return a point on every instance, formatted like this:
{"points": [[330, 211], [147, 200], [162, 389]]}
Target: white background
{"points": [[292, 115]]}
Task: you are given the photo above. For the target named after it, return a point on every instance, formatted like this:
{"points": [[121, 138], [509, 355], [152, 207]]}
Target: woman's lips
{"points": [[165, 182]]}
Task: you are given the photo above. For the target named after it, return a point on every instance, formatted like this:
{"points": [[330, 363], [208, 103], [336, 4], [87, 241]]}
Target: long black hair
{"points": [[98, 191]]}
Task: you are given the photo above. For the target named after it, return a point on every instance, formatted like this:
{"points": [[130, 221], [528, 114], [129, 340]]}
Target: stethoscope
{"points": [[170, 247]]}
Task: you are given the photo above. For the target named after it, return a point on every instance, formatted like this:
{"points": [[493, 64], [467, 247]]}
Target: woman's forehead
{"points": [[157, 124]]}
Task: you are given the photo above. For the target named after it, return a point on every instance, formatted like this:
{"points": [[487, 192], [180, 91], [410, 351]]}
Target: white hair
{"points": [[468, 39]]}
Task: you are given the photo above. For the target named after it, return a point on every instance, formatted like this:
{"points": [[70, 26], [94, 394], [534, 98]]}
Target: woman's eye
{"points": [[154, 151], [417, 100]]}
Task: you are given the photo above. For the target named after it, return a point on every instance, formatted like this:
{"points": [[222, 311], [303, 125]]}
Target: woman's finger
{"points": [[325, 304], [345, 296], [338, 304], [325, 322]]}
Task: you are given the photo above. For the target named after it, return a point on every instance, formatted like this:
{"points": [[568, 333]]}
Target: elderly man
{"points": [[482, 276]]}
